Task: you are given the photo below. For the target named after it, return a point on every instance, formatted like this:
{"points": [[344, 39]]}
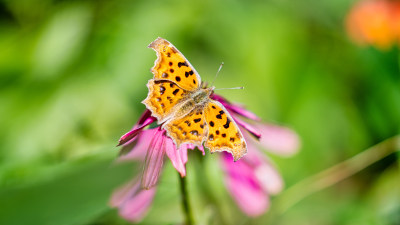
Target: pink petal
{"points": [[178, 157], [136, 207], [201, 148], [193, 147], [243, 112], [219, 98], [131, 134], [236, 108], [248, 127], [146, 114], [137, 149], [132, 202], [279, 140], [154, 159], [267, 176], [243, 185], [120, 195]]}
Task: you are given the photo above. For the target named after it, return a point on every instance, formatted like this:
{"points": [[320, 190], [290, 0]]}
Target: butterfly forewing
{"points": [[164, 98], [172, 65], [223, 133]]}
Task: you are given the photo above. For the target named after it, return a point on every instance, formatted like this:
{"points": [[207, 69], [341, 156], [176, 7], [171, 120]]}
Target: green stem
{"points": [[336, 173], [185, 201]]}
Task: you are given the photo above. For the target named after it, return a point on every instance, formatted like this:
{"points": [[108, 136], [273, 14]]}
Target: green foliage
{"points": [[73, 73]]}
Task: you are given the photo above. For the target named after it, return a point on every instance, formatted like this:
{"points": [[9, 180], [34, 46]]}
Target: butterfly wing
{"points": [[164, 99], [172, 65], [223, 132], [190, 128]]}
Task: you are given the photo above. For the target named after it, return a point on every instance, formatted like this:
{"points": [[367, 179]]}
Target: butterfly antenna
{"points": [[220, 67], [241, 88]]}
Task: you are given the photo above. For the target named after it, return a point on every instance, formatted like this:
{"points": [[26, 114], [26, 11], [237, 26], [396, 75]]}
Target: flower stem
{"points": [[185, 201], [336, 173]]}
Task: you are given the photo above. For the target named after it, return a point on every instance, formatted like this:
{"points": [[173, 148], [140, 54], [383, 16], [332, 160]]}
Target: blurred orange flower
{"points": [[375, 22]]}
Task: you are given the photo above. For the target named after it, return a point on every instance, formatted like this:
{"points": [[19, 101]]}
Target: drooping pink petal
{"points": [[146, 114], [137, 149], [178, 157], [219, 98], [244, 186], [244, 112], [201, 148], [279, 140], [267, 176], [193, 147], [121, 194], [128, 137], [236, 108], [132, 201], [136, 208], [154, 159], [248, 127]]}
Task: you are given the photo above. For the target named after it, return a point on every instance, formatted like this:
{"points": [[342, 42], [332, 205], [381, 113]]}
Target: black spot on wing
{"points": [[228, 121], [219, 116], [183, 64], [162, 90]]}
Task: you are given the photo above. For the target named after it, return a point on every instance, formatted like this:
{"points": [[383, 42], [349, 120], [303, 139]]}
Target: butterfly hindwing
{"points": [[190, 128], [223, 132], [172, 65]]}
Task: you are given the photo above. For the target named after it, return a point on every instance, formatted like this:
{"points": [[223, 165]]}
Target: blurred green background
{"points": [[73, 74]]}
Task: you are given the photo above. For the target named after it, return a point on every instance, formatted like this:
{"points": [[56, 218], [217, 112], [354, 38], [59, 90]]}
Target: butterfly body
{"points": [[185, 109], [202, 96]]}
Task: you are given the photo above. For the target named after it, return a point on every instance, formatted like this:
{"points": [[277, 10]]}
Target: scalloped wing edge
{"points": [[243, 150], [155, 45], [150, 107]]}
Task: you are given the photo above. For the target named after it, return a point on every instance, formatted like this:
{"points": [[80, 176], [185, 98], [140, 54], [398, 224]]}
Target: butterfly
{"points": [[183, 106]]}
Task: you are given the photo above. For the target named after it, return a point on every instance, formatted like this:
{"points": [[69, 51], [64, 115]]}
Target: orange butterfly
{"points": [[188, 114]]}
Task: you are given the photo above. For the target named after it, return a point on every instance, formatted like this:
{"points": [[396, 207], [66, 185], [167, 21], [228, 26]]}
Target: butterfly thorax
{"points": [[202, 95], [196, 99]]}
